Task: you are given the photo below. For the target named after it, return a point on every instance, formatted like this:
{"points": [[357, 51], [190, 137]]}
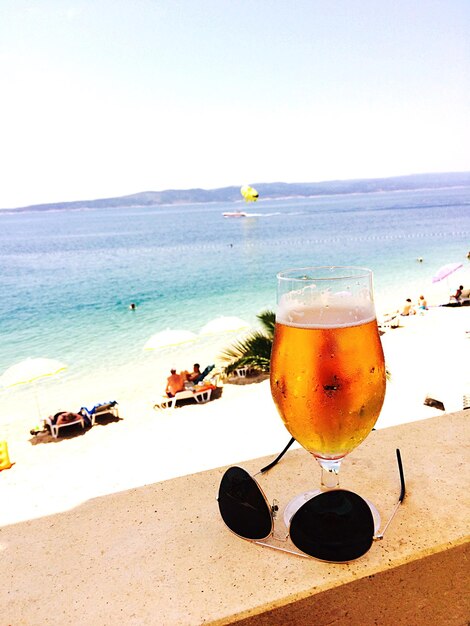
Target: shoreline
{"points": [[426, 356]]}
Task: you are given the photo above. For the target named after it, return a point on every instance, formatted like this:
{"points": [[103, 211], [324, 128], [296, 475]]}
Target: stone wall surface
{"points": [[160, 554]]}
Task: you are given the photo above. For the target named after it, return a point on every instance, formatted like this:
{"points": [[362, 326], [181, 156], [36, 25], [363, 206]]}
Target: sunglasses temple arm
{"points": [[401, 497], [402, 477], [278, 458]]}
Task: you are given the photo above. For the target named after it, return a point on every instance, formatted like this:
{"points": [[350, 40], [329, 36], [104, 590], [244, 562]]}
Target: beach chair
{"points": [[75, 418], [390, 321], [100, 410], [200, 394], [241, 372]]}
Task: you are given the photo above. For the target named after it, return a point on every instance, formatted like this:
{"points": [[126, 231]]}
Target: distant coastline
{"points": [[267, 191]]}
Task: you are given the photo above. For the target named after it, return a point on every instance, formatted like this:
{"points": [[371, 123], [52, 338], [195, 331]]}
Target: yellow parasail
{"points": [[249, 193]]}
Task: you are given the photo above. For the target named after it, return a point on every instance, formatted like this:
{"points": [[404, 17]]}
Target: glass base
{"points": [[294, 505]]}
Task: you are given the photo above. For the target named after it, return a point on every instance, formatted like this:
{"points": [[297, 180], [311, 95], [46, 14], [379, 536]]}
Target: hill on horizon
{"points": [[266, 191]]}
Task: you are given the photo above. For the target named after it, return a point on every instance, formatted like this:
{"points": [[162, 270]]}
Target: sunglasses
{"points": [[336, 525]]}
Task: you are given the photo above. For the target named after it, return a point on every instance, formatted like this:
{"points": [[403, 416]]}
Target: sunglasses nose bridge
{"points": [[275, 508]]}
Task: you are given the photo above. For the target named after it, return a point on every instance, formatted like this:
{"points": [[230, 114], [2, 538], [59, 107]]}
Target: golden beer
{"points": [[328, 379]]}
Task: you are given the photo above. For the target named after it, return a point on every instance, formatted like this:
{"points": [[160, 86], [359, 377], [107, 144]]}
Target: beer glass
{"points": [[327, 363]]}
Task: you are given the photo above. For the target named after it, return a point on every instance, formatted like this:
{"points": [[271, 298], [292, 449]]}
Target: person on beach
{"points": [[174, 383], [422, 304], [195, 373], [196, 376], [457, 299], [67, 417], [408, 308]]}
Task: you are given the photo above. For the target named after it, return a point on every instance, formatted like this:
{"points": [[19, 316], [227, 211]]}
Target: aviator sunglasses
{"points": [[336, 525]]}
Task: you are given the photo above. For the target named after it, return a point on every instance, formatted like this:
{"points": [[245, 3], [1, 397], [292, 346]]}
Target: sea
{"points": [[68, 277]]}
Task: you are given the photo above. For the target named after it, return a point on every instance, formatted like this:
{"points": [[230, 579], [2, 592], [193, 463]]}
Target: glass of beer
{"points": [[327, 363]]}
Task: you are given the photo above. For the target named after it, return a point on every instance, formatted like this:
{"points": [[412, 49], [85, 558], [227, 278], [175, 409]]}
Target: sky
{"points": [[103, 98]]}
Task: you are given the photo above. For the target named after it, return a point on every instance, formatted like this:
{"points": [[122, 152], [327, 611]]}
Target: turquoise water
{"points": [[67, 277]]}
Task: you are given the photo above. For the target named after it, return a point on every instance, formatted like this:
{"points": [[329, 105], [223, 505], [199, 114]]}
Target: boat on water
{"points": [[235, 214]]}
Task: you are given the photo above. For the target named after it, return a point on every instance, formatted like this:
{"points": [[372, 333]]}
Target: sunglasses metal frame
{"points": [[274, 507]]}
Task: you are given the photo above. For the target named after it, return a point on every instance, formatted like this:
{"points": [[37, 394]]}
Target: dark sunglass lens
{"points": [[243, 506], [334, 526]]}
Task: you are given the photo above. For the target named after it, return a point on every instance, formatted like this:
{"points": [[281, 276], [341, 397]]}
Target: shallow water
{"points": [[67, 277]]}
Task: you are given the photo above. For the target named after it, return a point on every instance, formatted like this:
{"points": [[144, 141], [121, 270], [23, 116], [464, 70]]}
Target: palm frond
{"points": [[255, 344], [253, 351], [268, 320]]}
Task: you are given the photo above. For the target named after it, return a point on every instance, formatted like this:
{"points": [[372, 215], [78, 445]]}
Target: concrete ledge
{"points": [[161, 555], [430, 590]]}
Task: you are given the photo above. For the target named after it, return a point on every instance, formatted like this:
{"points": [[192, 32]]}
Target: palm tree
{"points": [[255, 350]]}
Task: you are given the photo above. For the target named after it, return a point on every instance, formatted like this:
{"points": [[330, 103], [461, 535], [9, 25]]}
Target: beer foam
{"points": [[331, 310]]}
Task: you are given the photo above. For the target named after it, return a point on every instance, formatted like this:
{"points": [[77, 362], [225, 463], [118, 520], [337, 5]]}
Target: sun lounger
{"points": [[72, 420], [241, 372], [101, 409], [85, 417], [200, 394], [390, 321]]}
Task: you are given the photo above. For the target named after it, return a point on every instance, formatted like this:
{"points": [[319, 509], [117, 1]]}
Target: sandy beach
{"points": [[427, 356]]}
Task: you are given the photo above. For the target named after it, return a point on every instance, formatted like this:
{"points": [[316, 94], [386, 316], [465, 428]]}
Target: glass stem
{"points": [[330, 473]]}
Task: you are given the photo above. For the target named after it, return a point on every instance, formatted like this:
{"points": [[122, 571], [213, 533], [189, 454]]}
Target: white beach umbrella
{"points": [[224, 324], [168, 338], [29, 371]]}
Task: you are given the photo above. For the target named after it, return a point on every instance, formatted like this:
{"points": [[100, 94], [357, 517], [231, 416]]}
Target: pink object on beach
{"points": [[446, 270]]}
